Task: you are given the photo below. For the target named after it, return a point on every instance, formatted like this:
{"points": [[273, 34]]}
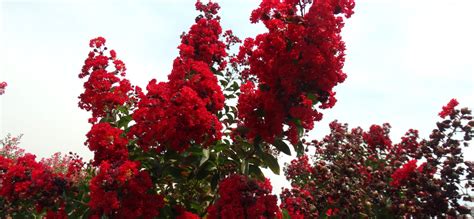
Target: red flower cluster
{"points": [[297, 64], [378, 138], [123, 191], [187, 215], [10, 147], [409, 145], [402, 173], [361, 173], [202, 42], [104, 90], [181, 112], [107, 143], [241, 197], [299, 203], [448, 109], [121, 188], [174, 118], [299, 169], [183, 214], [71, 166], [3, 85], [26, 183]]}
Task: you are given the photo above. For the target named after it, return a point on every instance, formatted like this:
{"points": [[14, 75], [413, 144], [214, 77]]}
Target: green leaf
{"points": [[256, 171], [205, 170], [196, 150], [285, 213], [79, 211], [214, 70], [231, 154], [226, 109], [123, 122], [235, 86], [219, 147], [272, 163], [230, 117], [223, 82], [312, 97], [171, 155], [299, 148], [282, 146], [166, 212], [300, 131], [214, 181], [229, 96], [205, 156], [123, 109], [173, 171]]}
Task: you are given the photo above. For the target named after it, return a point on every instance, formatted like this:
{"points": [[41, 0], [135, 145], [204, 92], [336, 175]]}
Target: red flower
{"points": [[298, 203], [301, 57], [299, 168], [97, 42], [241, 197], [187, 215], [3, 85], [448, 109], [24, 180], [183, 214], [122, 190], [174, 114], [409, 144], [402, 173], [107, 143], [378, 138], [113, 54], [331, 212], [168, 118], [104, 90]]}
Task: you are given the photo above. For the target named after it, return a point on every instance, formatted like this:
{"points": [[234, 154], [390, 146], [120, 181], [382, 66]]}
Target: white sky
{"points": [[405, 59]]}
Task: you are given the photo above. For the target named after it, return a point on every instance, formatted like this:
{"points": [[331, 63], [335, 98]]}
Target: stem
{"points": [[245, 167]]}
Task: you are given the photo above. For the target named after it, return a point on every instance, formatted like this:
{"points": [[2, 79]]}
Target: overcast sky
{"points": [[405, 59]]}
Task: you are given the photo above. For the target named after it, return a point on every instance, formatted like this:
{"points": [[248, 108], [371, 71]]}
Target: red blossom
{"points": [[104, 90], [409, 144], [24, 180], [107, 143], [241, 197], [378, 138], [97, 42], [183, 214], [122, 190], [449, 108], [113, 54], [297, 202], [299, 169], [402, 173], [302, 55], [3, 85], [174, 114], [173, 118]]}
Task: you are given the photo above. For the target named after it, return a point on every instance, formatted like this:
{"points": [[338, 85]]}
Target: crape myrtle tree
{"points": [[194, 146]]}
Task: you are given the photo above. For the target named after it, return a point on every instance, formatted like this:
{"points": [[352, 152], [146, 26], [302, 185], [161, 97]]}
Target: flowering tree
{"points": [[354, 172], [194, 146]]}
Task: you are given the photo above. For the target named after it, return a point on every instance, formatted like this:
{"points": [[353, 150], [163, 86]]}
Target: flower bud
{"points": [[465, 111], [463, 210], [456, 123], [467, 137], [471, 123], [467, 128]]}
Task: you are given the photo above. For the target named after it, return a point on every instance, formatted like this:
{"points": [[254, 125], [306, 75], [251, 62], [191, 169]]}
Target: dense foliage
{"points": [[194, 146]]}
